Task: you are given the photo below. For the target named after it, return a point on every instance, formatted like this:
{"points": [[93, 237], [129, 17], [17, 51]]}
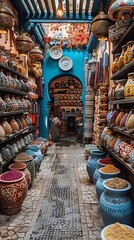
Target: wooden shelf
{"points": [[8, 90], [27, 129], [127, 165], [5, 114], [122, 101], [122, 131], [122, 74], [127, 36], [5, 67]]}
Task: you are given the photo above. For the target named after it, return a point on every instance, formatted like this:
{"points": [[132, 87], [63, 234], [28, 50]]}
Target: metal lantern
{"points": [[36, 54], [100, 26], [24, 44], [6, 18]]}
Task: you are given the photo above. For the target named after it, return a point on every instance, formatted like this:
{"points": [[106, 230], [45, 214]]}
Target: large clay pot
{"points": [[36, 54], [6, 18], [23, 168], [103, 176], [116, 205], [92, 162], [13, 189], [24, 44]]}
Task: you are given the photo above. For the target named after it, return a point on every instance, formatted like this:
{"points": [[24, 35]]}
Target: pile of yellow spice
{"points": [[110, 169]]}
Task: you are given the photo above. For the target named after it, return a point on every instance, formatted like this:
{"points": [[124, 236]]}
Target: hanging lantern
{"points": [[100, 26], [6, 18], [24, 44], [36, 54], [93, 61]]}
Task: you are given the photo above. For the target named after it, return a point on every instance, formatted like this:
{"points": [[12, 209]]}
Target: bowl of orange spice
{"points": [[109, 170]]}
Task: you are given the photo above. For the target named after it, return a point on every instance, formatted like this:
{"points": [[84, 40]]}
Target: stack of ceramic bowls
{"points": [[88, 112]]}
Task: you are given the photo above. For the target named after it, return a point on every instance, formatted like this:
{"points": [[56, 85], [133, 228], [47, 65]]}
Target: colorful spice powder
{"points": [[116, 183], [109, 169], [11, 175], [106, 161]]}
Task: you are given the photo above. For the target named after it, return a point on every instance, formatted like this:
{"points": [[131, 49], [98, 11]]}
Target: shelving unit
{"points": [[122, 74], [127, 165], [122, 101], [5, 114], [12, 91], [9, 69], [122, 131], [127, 36]]}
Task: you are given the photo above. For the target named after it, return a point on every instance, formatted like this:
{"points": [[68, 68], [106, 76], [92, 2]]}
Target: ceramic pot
{"points": [[17, 83], [129, 87], [23, 168], [18, 145], [6, 153], [12, 192], [128, 53], [3, 79], [121, 147], [20, 104], [131, 158], [114, 116], [114, 35], [130, 122], [119, 90], [112, 143], [6, 126], [14, 125], [36, 149], [8, 103], [19, 123], [116, 205], [10, 81], [115, 65], [2, 105], [92, 162], [15, 148], [123, 121], [24, 124], [119, 117], [2, 132], [118, 141], [111, 91], [24, 44], [99, 184], [96, 174], [126, 152], [14, 103], [121, 58]]}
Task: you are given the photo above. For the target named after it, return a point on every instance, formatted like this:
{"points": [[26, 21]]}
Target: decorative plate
{"points": [[65, 63], [56, 52]]}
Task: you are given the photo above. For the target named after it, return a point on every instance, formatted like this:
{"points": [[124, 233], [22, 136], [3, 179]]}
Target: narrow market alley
{"points": [[61, 204]]}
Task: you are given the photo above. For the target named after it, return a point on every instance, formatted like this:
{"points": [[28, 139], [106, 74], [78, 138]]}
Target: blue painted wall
{"points": [[52, 71]]}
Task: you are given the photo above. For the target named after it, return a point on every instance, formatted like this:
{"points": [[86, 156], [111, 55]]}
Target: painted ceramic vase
{"points": [[128, 53], [8, 103], [126, 152], [3, 79], [92, 162], [121, 147], [19, 123], [119, 91], [96, 173], [131, 158], [14, 103], [2, 132], [112, 143], [119, 117], [14, 125], [121, 58], [130, 122], [11, 82], [2, 105], [13, 190], [20, 104], [116, 205], [115, 65], [6, 126], [111, 91], [99, 184], [118, 141], [123, 121], [37, 151], [23, 168], [113, 117], [129, 86]]}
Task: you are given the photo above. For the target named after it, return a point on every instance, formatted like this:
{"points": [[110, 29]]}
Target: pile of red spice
{"points": [[11, 175], [106, 161]]}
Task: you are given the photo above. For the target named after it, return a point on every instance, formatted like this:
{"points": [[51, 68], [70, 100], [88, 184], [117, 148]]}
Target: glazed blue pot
{"points": [[99, 184], [116, 205], [92, 162], [96, 173], [36, 149]]}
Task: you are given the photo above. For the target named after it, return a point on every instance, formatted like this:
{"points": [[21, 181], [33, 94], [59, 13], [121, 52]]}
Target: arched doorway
{"points": [[65, 103]]}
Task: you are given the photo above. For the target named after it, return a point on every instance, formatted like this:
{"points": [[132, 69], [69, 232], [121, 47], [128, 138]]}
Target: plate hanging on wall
{"points": [[56, 52], [65, 63]]}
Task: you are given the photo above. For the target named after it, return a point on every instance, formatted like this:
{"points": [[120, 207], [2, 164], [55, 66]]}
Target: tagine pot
{"points": [[92, 162], [13, 190], [116, 205]]}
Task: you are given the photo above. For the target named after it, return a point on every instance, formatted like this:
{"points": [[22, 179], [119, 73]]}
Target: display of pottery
{"points": [[129, 86]]}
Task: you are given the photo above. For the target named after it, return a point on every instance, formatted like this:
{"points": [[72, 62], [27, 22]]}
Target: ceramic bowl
{"points": [[56, 52], [65, 63]]}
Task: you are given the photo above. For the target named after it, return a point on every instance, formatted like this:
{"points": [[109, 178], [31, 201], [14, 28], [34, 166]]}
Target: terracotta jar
{"points": [[13, 190], [129, 86], [20, 166], [6, 126], [115, 65], [119, 90], [121, 58], [23, 122], [14, 125], [128, 54], [2, 132], [119, 117]]}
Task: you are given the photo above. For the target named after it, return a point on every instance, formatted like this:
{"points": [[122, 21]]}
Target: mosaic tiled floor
{"points": [[61, 204]]}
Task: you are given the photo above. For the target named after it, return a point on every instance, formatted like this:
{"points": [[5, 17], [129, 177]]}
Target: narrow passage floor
{"points": [[61, 204]]}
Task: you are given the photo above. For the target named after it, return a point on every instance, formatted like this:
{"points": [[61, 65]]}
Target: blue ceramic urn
{"points": [[36, 149], [96, 173], [116, 205], [103, 176], [92, 162]]}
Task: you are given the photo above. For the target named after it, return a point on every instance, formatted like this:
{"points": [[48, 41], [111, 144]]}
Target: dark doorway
{"points": [[71, 124]]}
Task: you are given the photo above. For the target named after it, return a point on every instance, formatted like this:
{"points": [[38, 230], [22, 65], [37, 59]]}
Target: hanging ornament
{"points": [[24, 44], [36, 54], [6, 18], [100, 26]]}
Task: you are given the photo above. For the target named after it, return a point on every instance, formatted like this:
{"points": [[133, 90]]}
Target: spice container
{"points": [[121, 58], [115, 65], [129, 87], [128, 56]]}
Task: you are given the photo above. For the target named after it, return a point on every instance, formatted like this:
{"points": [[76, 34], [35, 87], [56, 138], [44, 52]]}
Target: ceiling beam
{"points": [[95, 7], [87, 7], [35, 7], [53, 6], [31, 13], [67, 7], [80, 7], [41, 8], [47, 7], [74, 7]]}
